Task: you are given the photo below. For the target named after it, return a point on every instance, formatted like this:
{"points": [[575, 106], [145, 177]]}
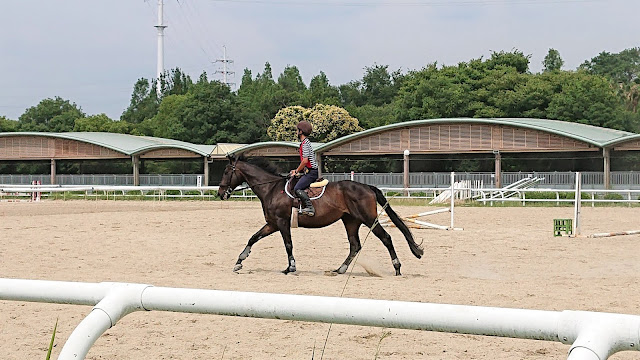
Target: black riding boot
{"points": [[308, 207]]}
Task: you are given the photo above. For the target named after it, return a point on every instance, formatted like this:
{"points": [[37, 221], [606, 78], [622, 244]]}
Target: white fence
{"points": [[592, 335], [550, 179], [593, 196]]}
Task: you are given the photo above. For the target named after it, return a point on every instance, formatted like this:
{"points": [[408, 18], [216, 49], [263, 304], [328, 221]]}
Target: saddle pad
{"points": [[313, 192], [318, 184]]}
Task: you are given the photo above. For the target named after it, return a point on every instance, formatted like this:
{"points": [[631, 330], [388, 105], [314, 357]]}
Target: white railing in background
{"points": [[592, 335], [485, 195]]}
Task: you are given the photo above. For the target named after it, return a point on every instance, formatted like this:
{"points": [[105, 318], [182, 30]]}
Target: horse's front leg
{"points": [[284, 225], [266, 230]]}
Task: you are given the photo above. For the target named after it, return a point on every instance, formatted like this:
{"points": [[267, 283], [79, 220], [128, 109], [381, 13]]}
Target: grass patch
{"points": [[53, 338]]}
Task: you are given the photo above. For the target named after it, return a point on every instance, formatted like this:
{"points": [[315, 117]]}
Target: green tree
{"points": [[257, 103], [589, 100], [552, 61], [322, 92], [175, 82], [379, 87], [7, 125], [144, 102], [623, 67], [50, 115], [290, 89], [329, 123], [290, 80], [350, 94], [515, 59], [435, 93], [205, 115], [371, 116], [91, 123], [169, 121]]}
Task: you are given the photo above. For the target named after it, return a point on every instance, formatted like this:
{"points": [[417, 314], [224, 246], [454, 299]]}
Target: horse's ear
{"points": [[231, 157]]}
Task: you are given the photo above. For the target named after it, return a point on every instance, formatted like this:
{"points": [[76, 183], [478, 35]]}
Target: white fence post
{"points": [[578, 205]]}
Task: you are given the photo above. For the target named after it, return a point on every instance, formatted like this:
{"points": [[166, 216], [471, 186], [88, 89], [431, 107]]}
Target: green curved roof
{"points": [[267, 144], [123, 143], [593, 135], [619, 141]]}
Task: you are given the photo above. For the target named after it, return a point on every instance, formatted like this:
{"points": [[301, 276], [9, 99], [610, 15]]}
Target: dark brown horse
{"points": [[352, 202]]}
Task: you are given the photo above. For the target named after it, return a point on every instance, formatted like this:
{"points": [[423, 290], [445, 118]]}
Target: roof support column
{"points": [[135, 161], [206, 171], [606, 154], [319, 161], [53, 171], [498, 169], [405, 173]]}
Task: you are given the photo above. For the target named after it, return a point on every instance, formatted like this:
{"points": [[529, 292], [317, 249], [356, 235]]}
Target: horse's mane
{"points": [[263, 163]]}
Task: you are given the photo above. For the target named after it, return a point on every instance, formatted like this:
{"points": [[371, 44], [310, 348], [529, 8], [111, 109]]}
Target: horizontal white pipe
{"points": [[618, 233], [104, 188], [593, 335], [515, 323], [56, 292]]}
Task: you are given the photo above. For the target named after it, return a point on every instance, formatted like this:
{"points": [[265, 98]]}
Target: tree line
{"points": [[603, 91]]}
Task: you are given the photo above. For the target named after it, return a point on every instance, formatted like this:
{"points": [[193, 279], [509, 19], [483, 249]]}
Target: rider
{"points": [[308, 165]]}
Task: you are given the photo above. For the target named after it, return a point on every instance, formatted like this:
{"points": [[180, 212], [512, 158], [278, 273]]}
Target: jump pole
{"points": [[578, 205], [419, 224], [576, 216]]}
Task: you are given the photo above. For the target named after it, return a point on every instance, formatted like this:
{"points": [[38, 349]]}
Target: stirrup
{"points": [[310, 211]]}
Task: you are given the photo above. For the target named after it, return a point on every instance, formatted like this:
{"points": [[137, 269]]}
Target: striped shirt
{"points": [[306, 151]]}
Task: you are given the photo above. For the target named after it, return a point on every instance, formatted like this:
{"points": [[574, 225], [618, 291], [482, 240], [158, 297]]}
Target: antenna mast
{"points": [[161, 26]]}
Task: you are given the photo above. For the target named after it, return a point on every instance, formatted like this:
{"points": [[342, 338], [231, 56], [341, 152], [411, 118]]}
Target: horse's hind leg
{"points": [[386, 240], [352, 225], [266, 230]]}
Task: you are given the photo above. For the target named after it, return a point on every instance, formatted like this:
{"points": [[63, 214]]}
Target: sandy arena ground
{"points": [[505, 257]]}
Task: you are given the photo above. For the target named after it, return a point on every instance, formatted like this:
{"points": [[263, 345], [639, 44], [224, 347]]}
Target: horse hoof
{"points": [[237, 267], [341, 270], [290, 269], [398, 272]]}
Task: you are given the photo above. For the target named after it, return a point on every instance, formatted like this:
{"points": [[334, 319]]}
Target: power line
{"points": [[408, 4], [196, 34], [196, 14]]}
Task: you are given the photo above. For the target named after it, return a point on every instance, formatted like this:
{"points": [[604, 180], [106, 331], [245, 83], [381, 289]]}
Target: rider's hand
{"points": [[292, 173]]}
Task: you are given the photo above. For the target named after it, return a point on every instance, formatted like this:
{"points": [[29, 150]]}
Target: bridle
{"points": [[229, 191]]}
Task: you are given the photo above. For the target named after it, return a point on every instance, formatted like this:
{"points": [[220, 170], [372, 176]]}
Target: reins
{"points": [[229, 191]]}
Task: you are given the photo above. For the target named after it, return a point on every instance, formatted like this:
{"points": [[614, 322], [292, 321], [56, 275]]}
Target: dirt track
{"points": [[505, 257]]}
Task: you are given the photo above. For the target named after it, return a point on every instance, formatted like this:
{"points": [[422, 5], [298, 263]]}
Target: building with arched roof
{"points": [[495, 136], [469, 135], [97, 146]]}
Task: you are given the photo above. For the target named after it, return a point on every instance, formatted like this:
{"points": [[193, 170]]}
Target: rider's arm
{"points": [[301, 167]]}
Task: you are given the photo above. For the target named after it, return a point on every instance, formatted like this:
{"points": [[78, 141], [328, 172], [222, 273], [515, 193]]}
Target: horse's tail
{"points": [[415, 248]]}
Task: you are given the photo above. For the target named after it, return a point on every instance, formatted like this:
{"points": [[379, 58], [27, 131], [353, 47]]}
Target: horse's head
{"points": [[231, 178]]}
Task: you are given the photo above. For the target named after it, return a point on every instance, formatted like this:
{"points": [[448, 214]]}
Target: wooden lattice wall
{"points": [[274, 151], [457, 138], [630, 145], [169, 153], [43, 147]]}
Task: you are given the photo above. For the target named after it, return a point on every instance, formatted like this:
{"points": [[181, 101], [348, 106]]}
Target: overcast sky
{"points": [[92, 52]]}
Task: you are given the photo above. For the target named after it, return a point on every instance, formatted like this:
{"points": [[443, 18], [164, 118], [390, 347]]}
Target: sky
{"points": [[92, 52]]}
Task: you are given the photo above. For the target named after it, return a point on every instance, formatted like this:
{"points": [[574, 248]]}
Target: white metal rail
{"points": [[631, 196], [592, 335]]}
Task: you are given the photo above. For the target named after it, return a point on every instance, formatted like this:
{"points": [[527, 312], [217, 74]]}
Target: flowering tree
{"points": [[329, 123]]}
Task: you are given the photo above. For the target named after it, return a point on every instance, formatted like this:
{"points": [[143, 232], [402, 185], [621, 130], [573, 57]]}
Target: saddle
{"points": [[315, 191]]}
